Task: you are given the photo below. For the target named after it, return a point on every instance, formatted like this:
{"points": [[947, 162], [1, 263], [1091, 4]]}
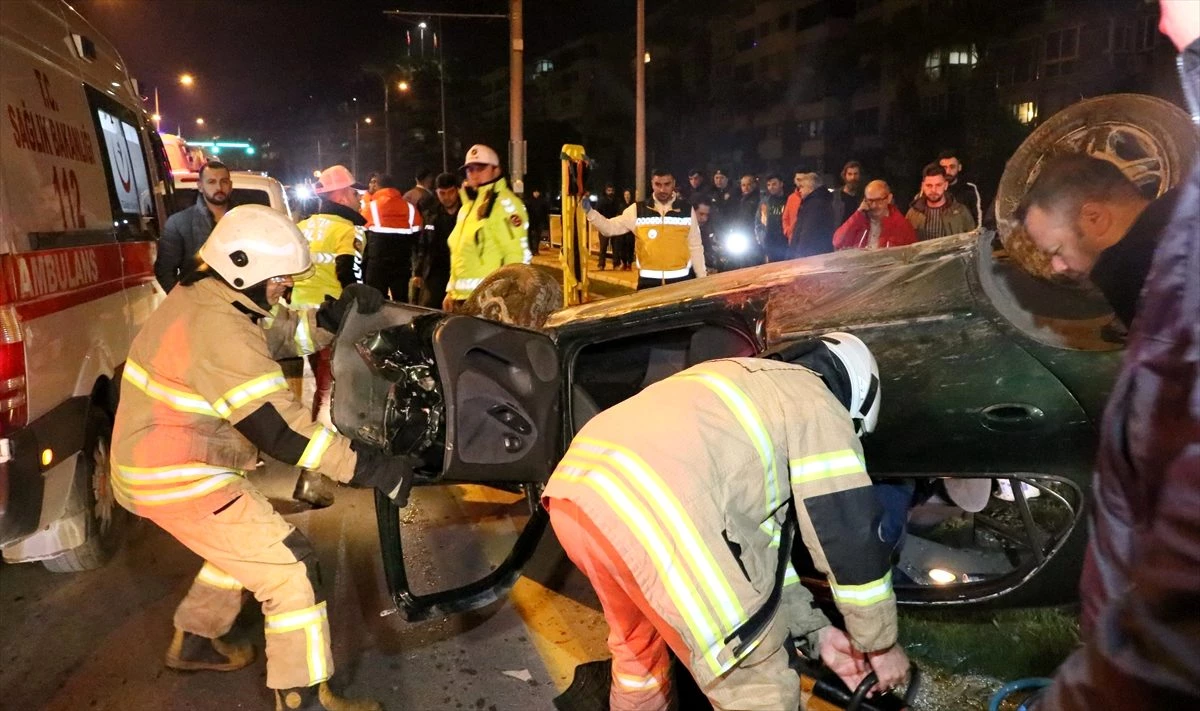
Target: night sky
{"points": [[254, 57]]}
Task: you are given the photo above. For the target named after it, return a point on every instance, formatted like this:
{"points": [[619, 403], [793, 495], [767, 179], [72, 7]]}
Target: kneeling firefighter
{"points": [[680, 505], [202, 395]]}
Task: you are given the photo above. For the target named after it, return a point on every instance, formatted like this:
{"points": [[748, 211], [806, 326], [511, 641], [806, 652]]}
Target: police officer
{"points": [[202, 394], [492, 228]]}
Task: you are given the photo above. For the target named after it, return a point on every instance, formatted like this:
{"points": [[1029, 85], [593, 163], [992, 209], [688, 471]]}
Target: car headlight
{"points": [[737, 243], [303, 192]]}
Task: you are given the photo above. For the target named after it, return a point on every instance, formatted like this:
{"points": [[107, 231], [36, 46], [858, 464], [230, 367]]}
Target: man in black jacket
{"points": [[1095, 224], [814, 224], [187, 230], [432, 267]]}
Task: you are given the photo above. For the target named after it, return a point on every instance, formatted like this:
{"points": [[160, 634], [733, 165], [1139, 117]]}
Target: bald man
{"points": [[876, 223]]}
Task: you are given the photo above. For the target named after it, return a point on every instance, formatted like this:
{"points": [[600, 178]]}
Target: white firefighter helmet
{"points": [[253, 243], [863, 372]]}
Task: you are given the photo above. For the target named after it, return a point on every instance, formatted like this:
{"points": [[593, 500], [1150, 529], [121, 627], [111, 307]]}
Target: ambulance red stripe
{"points": [[48, 281]]}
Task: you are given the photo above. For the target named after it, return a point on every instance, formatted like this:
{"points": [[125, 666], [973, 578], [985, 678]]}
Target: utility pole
{"points": [[639, 112], [516, 87], [387, 128], [442, 91]]}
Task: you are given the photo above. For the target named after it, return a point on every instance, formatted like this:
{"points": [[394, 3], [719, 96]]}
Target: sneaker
{"points": [[1006, 491], [191, 652]]}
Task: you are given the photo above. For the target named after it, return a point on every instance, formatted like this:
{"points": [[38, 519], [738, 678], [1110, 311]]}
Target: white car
{"points": [[249, 188]]}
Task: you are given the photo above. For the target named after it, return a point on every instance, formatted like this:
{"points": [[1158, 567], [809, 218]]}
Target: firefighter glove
{"points": [[331, 313], [375, 468]]}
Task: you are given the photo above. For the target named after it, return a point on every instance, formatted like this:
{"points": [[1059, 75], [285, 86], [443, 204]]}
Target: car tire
{"points": [[1153, 141], [107, 520], [517, 294]]}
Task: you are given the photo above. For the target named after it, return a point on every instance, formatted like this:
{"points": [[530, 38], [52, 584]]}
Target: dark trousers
{"points": [[605, 242], [387, 264], [650, 282], [625, 245], [433, 290]]}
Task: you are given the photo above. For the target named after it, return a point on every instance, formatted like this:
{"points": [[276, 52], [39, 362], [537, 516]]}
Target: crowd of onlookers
{"points": [[757, 220]]}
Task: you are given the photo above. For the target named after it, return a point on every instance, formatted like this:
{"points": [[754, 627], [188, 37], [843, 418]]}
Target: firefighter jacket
{"points": [[335, 238], [693, 479], [667, 244], [491, 230], [201, 393]]}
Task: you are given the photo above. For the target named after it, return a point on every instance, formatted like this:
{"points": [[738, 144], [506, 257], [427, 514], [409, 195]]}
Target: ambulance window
{"points": [[129, 187]]}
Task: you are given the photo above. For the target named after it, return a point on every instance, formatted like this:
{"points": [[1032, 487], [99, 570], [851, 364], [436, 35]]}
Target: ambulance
{"points": [[82, 200]]}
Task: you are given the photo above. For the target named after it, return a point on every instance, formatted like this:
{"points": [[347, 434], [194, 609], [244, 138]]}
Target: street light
{"points": [[403, 86], [187, 79], [200, 121], [366, 120]]}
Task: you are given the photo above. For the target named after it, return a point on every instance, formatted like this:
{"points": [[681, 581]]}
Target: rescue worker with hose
{"points": [[492, 228], [201, 396], [681, 503]]}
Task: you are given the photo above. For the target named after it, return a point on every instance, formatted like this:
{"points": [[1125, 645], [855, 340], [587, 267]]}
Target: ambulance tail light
{"points": [[13, 402]]}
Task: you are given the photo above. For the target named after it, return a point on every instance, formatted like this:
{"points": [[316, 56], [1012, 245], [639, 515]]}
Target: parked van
{"points": [[83, 193], [249, 188], [184, 158]]}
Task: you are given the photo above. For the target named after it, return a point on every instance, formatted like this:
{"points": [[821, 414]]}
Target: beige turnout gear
{"points": [[691, 481], [200, 382]]}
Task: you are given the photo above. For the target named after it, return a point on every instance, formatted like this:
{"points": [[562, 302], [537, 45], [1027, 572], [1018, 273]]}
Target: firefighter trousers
{"points": [[246, 544], [638, 637]]}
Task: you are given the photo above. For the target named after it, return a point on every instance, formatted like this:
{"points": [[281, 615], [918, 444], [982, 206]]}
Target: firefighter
{"points": [[335, 241], [680, 505], [492, 228], [202, 396]]}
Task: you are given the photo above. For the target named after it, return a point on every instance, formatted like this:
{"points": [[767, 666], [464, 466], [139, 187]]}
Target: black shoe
{"points": [[320, 698], [191, 652], [314, 489]]}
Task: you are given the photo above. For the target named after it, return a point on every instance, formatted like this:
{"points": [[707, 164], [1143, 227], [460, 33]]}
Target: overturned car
{"points": [[993, 381]]}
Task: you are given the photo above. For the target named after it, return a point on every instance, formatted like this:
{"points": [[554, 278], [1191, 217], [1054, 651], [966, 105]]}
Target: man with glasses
{"points": [[492, 228], [876, 223]]}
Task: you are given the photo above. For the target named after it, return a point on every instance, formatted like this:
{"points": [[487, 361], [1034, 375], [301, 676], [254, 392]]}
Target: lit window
{"points": [[543, 66], [933, 64], [964, 56], [1026, 112]]}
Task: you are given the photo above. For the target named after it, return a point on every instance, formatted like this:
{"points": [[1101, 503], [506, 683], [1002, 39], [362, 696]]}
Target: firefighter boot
{"points": [[320, 698], [191, 652], [314, 489]]}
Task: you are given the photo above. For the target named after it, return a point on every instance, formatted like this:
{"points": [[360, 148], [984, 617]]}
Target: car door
{"points": [[499, 384]]}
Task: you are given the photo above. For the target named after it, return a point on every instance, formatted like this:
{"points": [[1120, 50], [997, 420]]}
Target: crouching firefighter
{"points": [[680, 506], [202, 396]]}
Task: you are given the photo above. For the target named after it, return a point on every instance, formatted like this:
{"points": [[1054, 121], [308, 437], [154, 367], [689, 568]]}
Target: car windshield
{"points": [[186, 197]]}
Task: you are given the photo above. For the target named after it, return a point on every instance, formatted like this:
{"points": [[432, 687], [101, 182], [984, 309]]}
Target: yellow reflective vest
{"points": [[329, 237], [199, 365], [691, 481], [492, 230]]}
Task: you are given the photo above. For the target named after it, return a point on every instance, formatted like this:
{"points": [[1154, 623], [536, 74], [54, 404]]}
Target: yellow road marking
{"points": [[565, 633]]}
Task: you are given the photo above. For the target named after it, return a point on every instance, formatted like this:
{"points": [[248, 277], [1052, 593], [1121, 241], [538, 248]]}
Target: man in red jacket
{"points": [[393, 229], [876, 223]]}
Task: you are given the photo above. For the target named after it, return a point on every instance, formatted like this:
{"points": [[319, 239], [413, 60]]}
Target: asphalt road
{"points": [[95, 640]]}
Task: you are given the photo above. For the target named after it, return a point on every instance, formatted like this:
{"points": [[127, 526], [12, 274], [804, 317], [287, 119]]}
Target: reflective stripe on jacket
{"points": [[692, 478], [199, 366], [492, 230], [329, 237], [389, 213]]}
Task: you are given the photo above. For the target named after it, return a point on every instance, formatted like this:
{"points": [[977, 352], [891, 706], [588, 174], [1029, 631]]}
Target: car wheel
{"points": [[517, 294], [1151, 140], [106, 520]]}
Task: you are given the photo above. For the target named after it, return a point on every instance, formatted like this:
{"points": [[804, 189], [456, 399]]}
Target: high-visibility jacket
{"points": [[492, 231], [667, 237], [389, 213], [691, 480], [202, 371], [334, 232]]}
